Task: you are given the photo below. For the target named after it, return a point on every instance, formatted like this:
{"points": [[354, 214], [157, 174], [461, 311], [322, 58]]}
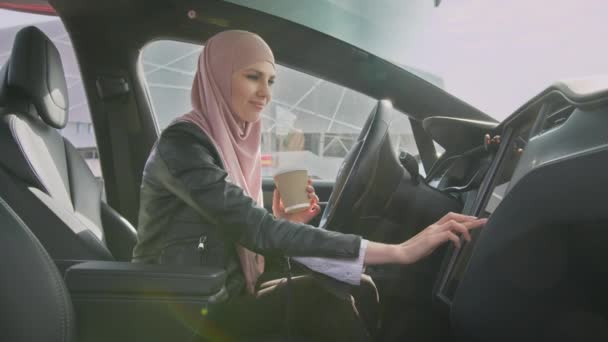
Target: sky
{"points": [[493, 54], [497, 54], [12, 18]]}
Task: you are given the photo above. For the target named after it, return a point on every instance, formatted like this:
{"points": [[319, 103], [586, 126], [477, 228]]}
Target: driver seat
{"points": [[42, 175]]}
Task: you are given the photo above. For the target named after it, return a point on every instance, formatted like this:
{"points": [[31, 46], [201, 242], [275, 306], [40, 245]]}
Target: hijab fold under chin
{"points": [[237, 142]]}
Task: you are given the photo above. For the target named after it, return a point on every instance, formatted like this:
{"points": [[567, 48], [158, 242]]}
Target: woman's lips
{"points": [[258, 105]]}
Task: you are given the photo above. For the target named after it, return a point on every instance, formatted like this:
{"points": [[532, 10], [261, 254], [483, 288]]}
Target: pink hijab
{"points": [[237, 142]]}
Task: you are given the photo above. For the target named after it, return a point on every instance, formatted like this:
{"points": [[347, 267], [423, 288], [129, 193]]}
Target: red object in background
{"points": [[266, 160], [29, 8]]}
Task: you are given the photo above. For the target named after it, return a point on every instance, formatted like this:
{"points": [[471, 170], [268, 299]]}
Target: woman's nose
{"points": [[264, 90]]}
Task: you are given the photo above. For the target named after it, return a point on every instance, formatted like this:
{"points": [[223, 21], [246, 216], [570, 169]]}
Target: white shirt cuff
{"points": [[346, 270]]}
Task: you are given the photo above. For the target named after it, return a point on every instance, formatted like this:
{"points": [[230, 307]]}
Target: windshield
{"points": [[493, 54]]}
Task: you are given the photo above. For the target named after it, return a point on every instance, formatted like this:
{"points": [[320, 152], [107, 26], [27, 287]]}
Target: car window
{"points": [[79, 129], [311, 123]]}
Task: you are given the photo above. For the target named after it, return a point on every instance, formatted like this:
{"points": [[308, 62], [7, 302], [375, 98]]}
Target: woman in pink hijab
{"points": [[201, 204]]}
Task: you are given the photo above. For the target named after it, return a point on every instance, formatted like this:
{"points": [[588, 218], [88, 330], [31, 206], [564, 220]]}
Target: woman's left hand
{"points": [[301, 216]]}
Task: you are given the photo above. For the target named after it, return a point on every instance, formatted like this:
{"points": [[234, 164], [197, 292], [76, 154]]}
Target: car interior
{"points": [[534, 272]]}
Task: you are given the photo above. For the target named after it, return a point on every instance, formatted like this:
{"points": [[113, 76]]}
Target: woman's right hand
{"points": [[424, 243], [305, 216]]}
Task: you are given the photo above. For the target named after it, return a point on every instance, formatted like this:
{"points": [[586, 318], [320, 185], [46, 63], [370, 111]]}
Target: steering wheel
{"points": [[358, 174]]}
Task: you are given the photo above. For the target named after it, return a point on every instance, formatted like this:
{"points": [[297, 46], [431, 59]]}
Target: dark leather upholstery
{"points": [[36, 73], [123, 278], [120, 240], [42, 176], [35, 303]]}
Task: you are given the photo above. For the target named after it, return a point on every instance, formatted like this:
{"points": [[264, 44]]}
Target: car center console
{"points": [[533, 271], [123, 301]]}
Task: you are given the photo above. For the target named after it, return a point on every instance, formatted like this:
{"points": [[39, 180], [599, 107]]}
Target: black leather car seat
{"points": [[36, 305], [42, 176]]}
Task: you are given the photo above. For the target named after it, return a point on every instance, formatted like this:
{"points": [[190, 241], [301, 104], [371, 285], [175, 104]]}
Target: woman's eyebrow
{"points": [[258, 72], [254, 70]]}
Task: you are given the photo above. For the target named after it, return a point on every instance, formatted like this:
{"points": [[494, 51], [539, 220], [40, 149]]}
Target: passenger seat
{"points": [[36, 305], [42, 176]]}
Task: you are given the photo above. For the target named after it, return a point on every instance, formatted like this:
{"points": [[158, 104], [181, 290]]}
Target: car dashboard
{"points": [[534, 269]]}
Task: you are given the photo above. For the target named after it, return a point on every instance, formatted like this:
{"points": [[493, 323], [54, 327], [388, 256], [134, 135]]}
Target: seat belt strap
{"points": [[113, 92]]}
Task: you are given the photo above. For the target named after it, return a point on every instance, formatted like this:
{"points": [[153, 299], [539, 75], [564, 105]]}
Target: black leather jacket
{"points": [[190, 214]]}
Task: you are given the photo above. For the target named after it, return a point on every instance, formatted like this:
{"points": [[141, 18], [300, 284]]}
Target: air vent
{"points": [[556, 118]]}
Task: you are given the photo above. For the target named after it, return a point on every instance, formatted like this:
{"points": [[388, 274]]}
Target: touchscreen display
{"points": [[503, 178], [499, 188]]}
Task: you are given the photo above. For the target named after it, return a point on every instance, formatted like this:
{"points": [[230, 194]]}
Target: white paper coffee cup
{"points": [[292, 185]]}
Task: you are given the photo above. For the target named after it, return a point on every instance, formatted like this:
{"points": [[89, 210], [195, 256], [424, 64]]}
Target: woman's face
{"points": [[251, 90]]}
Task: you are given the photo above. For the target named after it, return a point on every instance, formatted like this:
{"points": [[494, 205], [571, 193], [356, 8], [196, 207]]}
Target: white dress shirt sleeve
{"points": [[346, 270]]}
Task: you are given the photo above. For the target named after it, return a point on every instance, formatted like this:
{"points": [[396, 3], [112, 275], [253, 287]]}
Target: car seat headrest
{"points": [[34, 75]]}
